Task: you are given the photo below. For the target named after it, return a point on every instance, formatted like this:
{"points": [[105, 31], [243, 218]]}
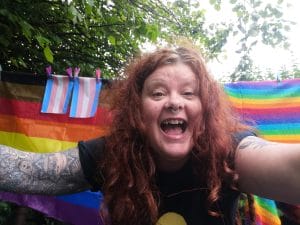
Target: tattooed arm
{"points": [[269, 169], [41, 173]]}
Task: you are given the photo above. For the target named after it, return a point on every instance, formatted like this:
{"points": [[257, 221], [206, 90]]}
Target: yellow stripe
{"points": [[34, 144], [266, 216], [283, 138]]}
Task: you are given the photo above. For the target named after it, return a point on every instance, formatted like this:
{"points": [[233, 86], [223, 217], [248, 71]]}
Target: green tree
{"points": [[91, 33], [257, 22], [106, 34]]}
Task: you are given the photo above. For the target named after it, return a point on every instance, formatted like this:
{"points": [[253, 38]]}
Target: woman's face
{"points": [[171, 106]]}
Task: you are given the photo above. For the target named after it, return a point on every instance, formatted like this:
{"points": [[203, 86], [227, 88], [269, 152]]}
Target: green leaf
{"points": [[212, 2], [42, 41], [112, 40], [253, 31], [217, 7], [26, 30], [152, 32], [48, 54]]}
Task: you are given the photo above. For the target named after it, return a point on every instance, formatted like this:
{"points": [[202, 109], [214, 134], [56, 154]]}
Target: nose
{"points": [[174, 103]]}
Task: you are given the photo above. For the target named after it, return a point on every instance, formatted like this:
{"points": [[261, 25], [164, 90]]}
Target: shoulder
{"points": [[239, 136], [92, 143], [90, 154]]}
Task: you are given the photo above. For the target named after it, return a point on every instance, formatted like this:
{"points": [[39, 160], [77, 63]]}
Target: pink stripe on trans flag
{"points": [[58, 94], [53, 95]]}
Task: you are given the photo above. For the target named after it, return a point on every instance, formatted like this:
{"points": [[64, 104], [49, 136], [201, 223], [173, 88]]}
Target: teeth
{"points": [[175, 122]]}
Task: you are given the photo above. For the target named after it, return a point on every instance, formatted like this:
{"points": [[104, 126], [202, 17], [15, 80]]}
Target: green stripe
{"points": [[266, 205], [280, 132]]}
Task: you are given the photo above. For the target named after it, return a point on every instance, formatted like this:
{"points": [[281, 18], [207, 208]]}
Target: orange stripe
{"points": [[277, 105], [52, 130], [265, 216]]}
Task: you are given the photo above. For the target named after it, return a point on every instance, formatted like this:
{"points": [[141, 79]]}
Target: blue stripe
{"points": [[96, 98], [268, 121], [47, 95], [258, 91], [74, 97], [279, 126], [87, 198]]}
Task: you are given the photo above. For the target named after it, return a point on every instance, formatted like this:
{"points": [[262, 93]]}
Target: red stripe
{"points": [[31, 110]]}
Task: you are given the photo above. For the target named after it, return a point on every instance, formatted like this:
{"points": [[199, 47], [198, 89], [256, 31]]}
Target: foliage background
{"points": [[107, 33]]}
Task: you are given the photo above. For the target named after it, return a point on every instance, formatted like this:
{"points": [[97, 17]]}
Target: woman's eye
{"points": [[188, 93], [158, 94]]}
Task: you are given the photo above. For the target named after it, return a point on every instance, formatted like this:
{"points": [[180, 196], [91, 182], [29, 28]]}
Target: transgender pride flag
{"points": [[85, 97], [57, 94]]}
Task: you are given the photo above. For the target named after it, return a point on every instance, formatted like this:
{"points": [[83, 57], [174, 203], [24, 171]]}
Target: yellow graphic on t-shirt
{"points": [[171, 218]]}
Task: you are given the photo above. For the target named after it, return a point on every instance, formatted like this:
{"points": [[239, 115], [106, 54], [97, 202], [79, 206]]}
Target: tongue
{"points": [[173, 130]]}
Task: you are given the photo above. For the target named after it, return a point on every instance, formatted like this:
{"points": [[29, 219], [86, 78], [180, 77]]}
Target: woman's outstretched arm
{"points": [[269, 169], [41, 173]]}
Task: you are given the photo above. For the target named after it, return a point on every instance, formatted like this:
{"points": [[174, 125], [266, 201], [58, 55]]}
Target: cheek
{"points": [[150, 117], [196, 114], [150, 112]]}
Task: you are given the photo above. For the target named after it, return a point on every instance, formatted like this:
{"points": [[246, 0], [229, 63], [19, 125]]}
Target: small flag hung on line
{"points": [[85, 96], [57, 93]]}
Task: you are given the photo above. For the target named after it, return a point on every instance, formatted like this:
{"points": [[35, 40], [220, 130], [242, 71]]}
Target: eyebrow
{"points": [[160, 80]]}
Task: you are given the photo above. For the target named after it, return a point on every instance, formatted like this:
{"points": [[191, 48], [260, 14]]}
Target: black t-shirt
{"points": [[181, 193]]}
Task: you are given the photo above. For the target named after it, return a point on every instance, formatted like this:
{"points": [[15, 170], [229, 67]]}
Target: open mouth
{"points": [[173, 126]]}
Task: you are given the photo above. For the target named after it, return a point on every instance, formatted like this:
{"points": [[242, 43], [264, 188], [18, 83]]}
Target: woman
{"points": [[175, 149]]}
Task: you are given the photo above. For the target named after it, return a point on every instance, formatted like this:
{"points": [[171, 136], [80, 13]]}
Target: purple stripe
{"points": [[53, 207], [264, 84]]}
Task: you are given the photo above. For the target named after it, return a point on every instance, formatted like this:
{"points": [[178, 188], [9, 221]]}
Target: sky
{"points": [[265, 57]]}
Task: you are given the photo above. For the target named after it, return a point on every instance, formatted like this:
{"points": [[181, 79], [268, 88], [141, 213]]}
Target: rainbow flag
{"points": [[274, 107], [23, 126]]}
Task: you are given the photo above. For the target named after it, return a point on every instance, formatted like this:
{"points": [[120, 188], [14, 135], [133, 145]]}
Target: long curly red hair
{"points": [[131, 195]]}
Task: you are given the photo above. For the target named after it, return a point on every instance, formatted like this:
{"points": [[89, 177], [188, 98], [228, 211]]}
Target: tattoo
{"points": [[254, 143], [40, 173]]}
